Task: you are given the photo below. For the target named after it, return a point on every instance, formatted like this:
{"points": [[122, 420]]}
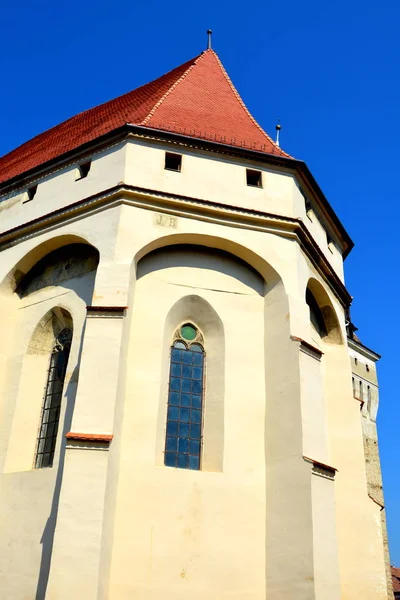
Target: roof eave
{"points": [[43, 169], [298, 167], [364, 350]]}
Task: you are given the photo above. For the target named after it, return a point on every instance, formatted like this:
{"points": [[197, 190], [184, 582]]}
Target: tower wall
{"points": [[268, 515]]}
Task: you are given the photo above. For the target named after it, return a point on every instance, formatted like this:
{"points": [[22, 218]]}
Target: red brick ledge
{"points": [[89, 437], [110, 309]]}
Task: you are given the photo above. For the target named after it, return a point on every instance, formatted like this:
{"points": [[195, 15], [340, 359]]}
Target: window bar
{"points": [[185, 407], [51, 408]]}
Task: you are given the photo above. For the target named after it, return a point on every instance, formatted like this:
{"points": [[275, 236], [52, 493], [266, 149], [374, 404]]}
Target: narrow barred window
{"points": [[52, 400], [185, 399]]}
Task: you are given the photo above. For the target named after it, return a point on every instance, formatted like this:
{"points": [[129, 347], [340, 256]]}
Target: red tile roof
{"points": [[396, 579], [196, 99]]}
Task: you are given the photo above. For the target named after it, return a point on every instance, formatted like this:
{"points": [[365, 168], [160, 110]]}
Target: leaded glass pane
{"points": [[180, 345], [188, 332], [183, 440], [52, 401], [196, 348]]}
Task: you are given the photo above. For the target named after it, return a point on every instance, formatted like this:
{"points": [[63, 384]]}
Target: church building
{"points": [[186, 410]]}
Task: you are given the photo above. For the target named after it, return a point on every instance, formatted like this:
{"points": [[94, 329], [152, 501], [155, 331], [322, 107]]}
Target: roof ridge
{"points": [[239, 98], [172, 87]]}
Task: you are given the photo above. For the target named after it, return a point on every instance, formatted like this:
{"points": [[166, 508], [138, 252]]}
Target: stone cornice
{"points": [[184, 206]]}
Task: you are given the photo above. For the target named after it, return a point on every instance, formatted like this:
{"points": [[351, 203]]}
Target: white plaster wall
{"points": [[206, 515], [28, 497], [180, 530], [75, 557], [208, 177], [60, 188], [313, 409], [317, 229], [326, 566]]}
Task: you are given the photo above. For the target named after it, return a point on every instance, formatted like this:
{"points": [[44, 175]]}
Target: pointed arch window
{"points": [[185, 399], [316, 316], [52, 400]]}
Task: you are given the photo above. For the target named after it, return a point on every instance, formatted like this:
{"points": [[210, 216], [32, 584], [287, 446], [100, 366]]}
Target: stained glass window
{"points": [[185, 400], [52, 400]]}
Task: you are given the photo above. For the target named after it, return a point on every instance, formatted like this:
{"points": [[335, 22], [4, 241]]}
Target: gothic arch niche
{"points": [[197, 311], [40, 392], [41, 271], [324, 322], [63, 266]]}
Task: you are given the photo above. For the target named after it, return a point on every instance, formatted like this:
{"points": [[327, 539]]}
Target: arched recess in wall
{"points": [[324, 321], [196, 310], [259, 264], [59, 266], [180, 269], [59, 272], [13, 278], [39, 405]]}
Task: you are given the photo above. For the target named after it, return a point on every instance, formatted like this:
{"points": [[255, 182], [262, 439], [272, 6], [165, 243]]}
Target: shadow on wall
{"points": [[47, 538], [202, 257]]}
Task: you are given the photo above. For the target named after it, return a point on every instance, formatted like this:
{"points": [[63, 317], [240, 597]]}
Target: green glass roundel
{"points": [[188, 332]]}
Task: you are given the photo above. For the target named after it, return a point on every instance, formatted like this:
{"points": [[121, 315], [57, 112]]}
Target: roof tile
{"points": [[196, 99]]}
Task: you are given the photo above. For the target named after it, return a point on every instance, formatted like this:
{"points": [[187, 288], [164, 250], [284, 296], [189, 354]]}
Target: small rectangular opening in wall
{"points": [[30, 193], [173, 162], [253, 178], [329, 241], [307, 205], [83, 170]]}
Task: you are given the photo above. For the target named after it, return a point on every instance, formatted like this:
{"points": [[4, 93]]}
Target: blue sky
{"points": [[328, 70]]}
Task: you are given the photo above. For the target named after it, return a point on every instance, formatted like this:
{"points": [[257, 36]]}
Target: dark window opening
{"points": [[185, 401], [316, 316], [31, 192], [173, 162], [52, 400], [84, 169], [253, 178]]}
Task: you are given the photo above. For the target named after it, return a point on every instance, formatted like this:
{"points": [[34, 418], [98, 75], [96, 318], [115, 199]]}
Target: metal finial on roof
{"points": [[278, 129], [209, 33]]}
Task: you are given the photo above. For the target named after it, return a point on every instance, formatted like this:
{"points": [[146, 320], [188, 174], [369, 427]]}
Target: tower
{"points": [[176, 390]]}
